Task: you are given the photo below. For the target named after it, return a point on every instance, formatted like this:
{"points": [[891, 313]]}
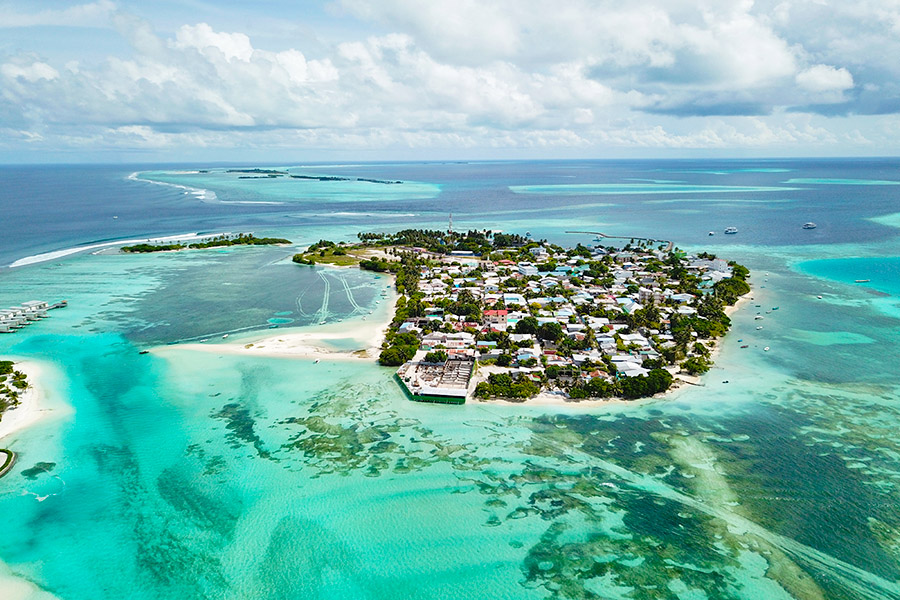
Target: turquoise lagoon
{"points": [[188, 474]]}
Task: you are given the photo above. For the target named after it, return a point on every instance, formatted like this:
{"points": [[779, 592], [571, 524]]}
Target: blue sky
{"points": [[397, 79]]}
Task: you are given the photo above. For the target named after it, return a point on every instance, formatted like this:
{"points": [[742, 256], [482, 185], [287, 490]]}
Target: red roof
{"points": [[496, 313]]}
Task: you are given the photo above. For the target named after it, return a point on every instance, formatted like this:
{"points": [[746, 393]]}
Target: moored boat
{"points": [[731, 230]]}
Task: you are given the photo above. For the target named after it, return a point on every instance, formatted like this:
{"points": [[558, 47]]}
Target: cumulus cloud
{"points": [[825, 78], [469, 74]]}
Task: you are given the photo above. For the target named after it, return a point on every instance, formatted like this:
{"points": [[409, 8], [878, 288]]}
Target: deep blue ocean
{"points": [[186, 474]]}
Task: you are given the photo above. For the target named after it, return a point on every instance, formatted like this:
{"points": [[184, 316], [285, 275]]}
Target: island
{"points": [[12, 384], [489, 315], [241, 239]]}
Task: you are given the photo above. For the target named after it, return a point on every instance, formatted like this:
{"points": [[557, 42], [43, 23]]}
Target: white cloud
{"points": [[465, 74], [32, 72], [95, 14], [201, 37], [825, 78]]}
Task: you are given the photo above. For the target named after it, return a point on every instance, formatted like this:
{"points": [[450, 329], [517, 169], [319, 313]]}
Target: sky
{"points": [[227, 80]]}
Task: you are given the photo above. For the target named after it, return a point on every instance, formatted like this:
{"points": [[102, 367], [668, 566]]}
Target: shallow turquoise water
{"points": [[639, 188], [883, 273], [185, 474]]}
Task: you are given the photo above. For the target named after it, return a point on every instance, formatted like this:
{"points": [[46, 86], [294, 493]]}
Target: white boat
{"points": [[712, 233], [809, 225], [224, 336], [731, 230]]}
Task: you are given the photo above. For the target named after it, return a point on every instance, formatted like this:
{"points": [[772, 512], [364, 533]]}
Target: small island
{"points": [[500, 316], [12, 384], [241, 239]]}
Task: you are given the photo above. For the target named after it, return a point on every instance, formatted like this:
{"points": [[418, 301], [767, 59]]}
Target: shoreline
{"points": [[32, 407]]}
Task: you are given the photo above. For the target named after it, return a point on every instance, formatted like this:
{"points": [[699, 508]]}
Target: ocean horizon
{"points": [[188, 474]]}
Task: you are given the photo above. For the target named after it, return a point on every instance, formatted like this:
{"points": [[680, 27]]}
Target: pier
{"points": [[16, 317]]}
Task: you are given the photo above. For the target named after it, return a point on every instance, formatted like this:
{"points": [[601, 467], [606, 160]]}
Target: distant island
{"points": [[501, 316], [241, 239]]}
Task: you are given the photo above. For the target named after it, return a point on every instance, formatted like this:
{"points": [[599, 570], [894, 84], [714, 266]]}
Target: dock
{"points": [[16, 317]]}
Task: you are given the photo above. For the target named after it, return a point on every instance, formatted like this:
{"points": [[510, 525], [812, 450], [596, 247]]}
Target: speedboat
{"points": [[809, 225], [731, 230]]}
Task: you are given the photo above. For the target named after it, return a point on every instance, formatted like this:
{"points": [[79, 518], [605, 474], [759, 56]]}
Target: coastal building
{"points": [[585, 326]]}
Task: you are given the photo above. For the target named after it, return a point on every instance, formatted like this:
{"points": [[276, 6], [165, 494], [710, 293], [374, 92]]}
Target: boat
{"points": [[760, 327], [819, 297], [144, 352], [204, 340], [731, 230], [758, 317], [774, 308], [745, 345], [766, 349], [224, 336], [809, 225], [861, 280], [712, 233]]}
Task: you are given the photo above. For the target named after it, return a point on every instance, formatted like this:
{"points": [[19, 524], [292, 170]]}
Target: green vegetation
{"points": [[656, 381], [503, 385], [441, 242], [696, 365], [242, 239], [436, 356], [12, 383]]}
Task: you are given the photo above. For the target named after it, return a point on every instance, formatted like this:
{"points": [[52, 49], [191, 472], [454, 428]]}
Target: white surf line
{"points": [[56, 254], [201, 194], [858, 580]]}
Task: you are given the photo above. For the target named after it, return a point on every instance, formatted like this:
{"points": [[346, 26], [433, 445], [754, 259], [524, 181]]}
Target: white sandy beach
{"points": [[16, 588], [32, 407]]}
